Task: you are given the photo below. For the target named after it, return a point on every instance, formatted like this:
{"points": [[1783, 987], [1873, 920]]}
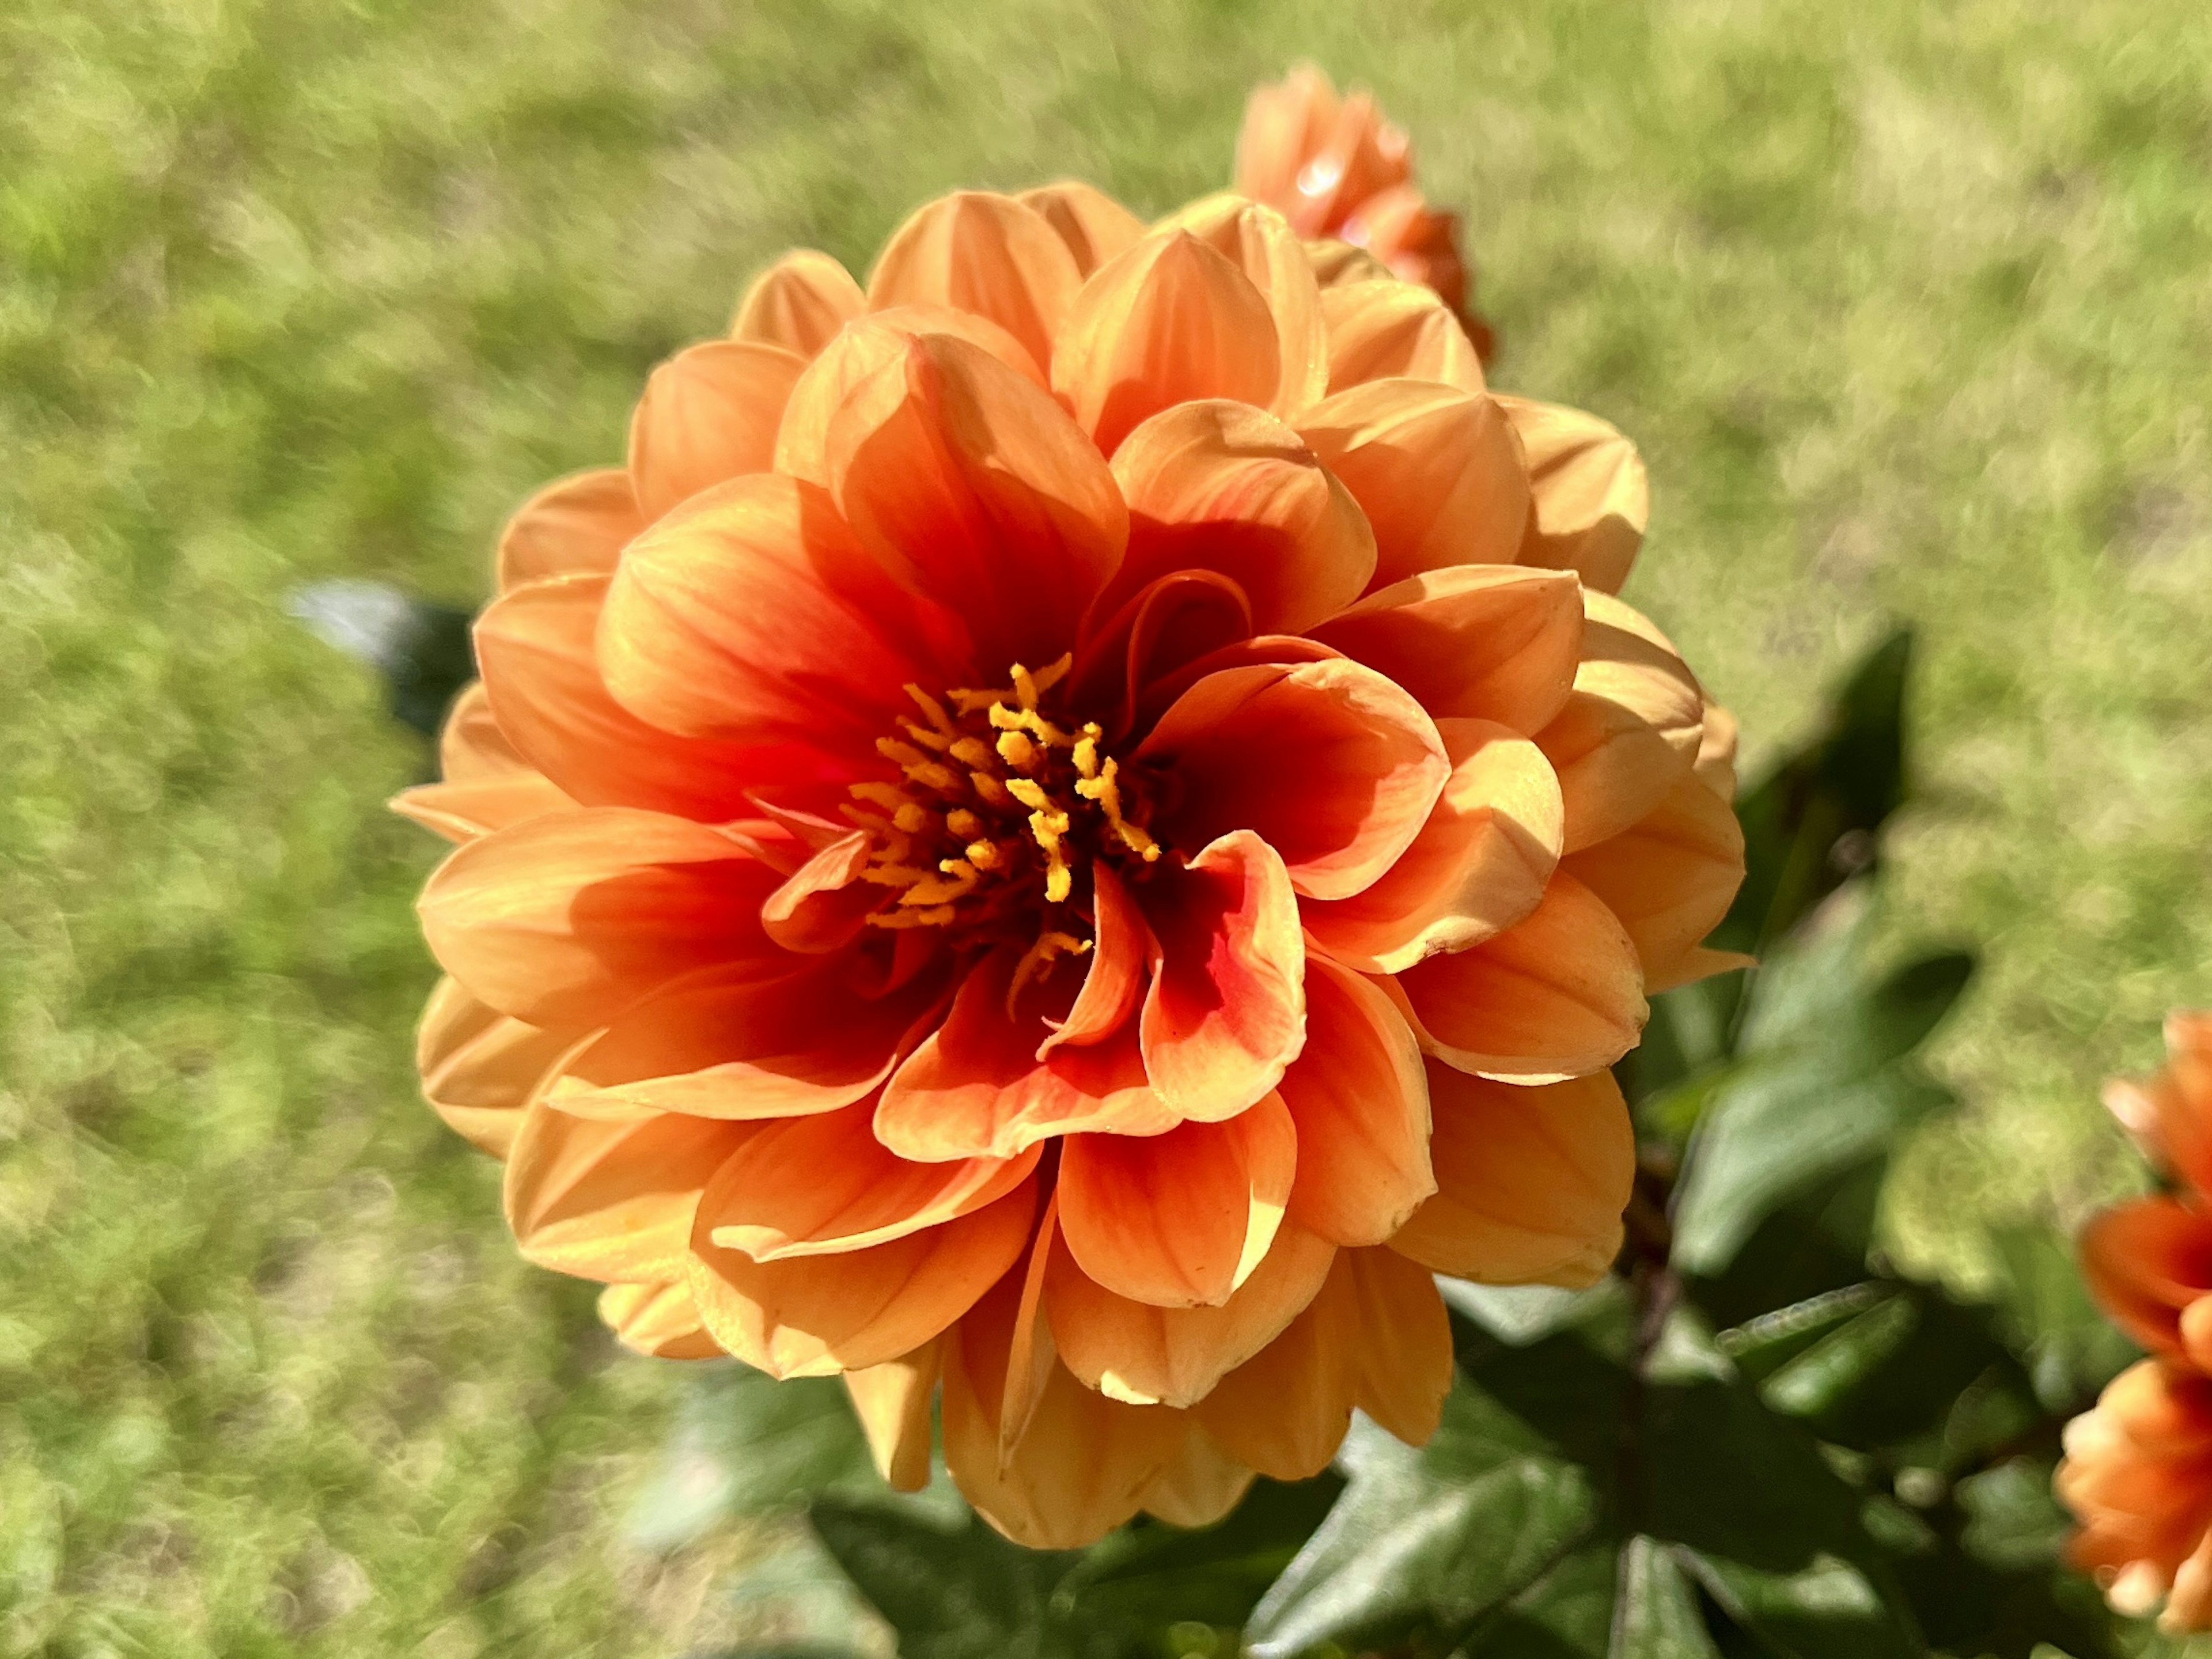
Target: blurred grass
{"points": [[1908, 306]]}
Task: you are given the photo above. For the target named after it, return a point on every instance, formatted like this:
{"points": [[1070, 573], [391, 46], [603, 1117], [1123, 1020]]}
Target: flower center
{"points": [[997, 811]]}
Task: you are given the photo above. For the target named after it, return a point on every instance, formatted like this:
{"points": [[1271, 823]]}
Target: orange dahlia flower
{"points": [[2137, 1474], [1341, 173], [2149, 1263], [1074, 824]]}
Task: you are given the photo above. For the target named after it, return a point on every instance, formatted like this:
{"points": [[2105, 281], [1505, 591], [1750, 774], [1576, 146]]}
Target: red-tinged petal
{"points": [[1199, 1487], [1285, 1412], [1171, 622], [2169, 1113], [568, 917], [1553, 997], [1361, 1105], [1437, 470], [821, 905], [1221, 486], [2145, 1262], [1167, 322], [1394, 329], [1479, 866], [1591, 497], [1478, 642], [1260, 242], [1260, 651], [1330, 763], [814, 1315], [824, 1185], [1404, 1354], [1670, 878], [1530, 1181], [1179, 1219], [973, 251], [575, 527], [1227, 1011], [657, 1319], [799, 303], [983, 1084], [480, 1066], [1094, 225], [1114, 975], [612, 1200], [974, 487], [892, 1402], [541, 669], [768, 1038], [1631, 729], [710, 413], [755, 613]]}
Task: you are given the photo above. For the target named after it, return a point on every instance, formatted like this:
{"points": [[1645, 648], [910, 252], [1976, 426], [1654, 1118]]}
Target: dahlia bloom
{"points": [[1075, 824], [1341, 172], [2137, 1475], [2149, 1261]]}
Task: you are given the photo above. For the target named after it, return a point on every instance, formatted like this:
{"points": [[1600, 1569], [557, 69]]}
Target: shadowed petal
{"points": [[1670, 878], [480, 1066], [487, 784], [892, 1402], [1117, 971], [1094, 225], [1200, 1486], [657, 1319], [1392, 330], [1591, 496], [1260, 242], [1631, 729], [1285, 1411], [576, 525], [1361, 1105], [1404, 1355], [708, 413], [799, 303], [973, 251]]}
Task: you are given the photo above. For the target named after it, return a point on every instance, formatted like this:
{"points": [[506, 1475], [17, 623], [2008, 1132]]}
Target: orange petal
{"points": [[1337, 264], [1670, 878], [1166, 322], [708, 413], [463, 811], [612, 1200], [1260, 242], [814, 1315], [1094, 225], [892, 1402], [1479, 866], [576, 525], [754, 612], [479, 1067], [567, 918], [1553, 997], [1361, 1105], [822, 905], [657, 1319], [541, 671], [2145, 1261], [1331, 764], [1227, 1011], [1116, 974], [1530, 1182], [1482, 642], [767, 1039], [1167, 624], [2170, 1112], [1286, 122], [1179, 1219], [973, 487], [973, 251], [1150, 1355], [1591, 497], [1221, 486], [1404, 1354], [1631, 729], [1199, 1487], [1396, 329], [1715, 763], [1285, 1412], [1437, 470], [1031, 1357], [984, 1085], [824, 1185], [799, 303]]}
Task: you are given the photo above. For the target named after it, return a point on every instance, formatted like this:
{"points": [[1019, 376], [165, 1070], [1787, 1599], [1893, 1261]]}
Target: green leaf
{"points": [[948, 1585], [2012, 1519], [1568, 1613], [1657, 1615], [2072, 1349]]}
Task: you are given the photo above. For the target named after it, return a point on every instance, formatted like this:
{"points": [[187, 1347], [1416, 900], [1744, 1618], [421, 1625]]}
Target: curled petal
{"points": [[892, 1402], [658, 1320], [973, 251], [1553, 997], [2146, 1262], [1260, 242], [562, 919], [1179, 1219], [1404, 1354], [1530, 1181], [821, 905], [1095, 226], [1396, 329], [1479, 866], [1480, 642], [1166, 322], [799, 303], [576, 525], [1437, 470], [709, 414], [1591, 496], [1115, 974], [480, 1066], [612, 1200], [1171, 622], [1631, 729], [1670, 878], [1149, 1355], [1224, 486], [814, 1315], [1199, 1487], [1360, 1104], [1331, 764]]}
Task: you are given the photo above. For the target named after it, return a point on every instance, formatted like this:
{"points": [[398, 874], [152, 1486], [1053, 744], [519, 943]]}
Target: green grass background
{"points": [[1910, 306]]}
